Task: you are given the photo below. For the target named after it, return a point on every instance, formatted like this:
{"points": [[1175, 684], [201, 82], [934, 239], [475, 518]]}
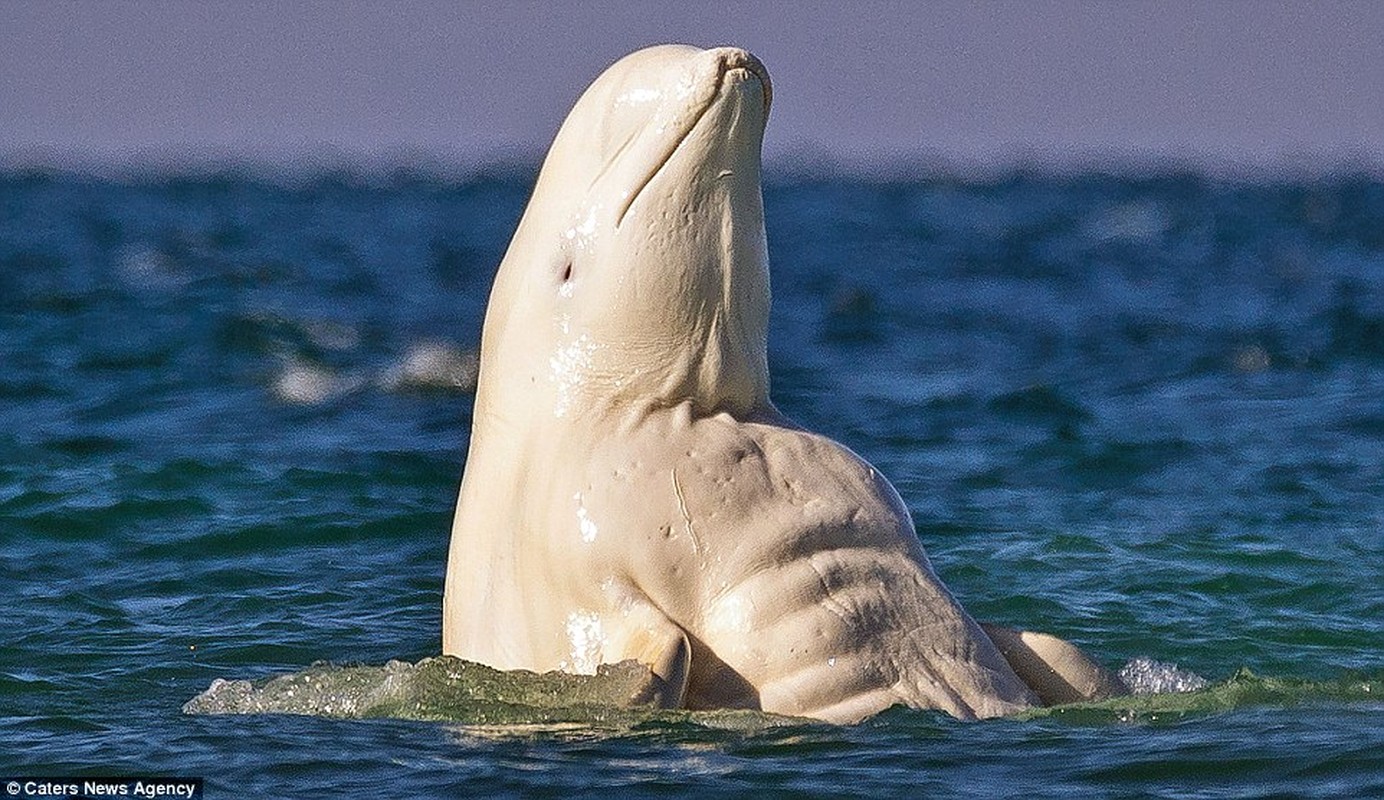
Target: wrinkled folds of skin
{"points": [[631, 491]]}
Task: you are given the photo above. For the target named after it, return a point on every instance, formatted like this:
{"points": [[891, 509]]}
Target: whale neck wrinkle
{"points": [[716, 366], [699, 394]]}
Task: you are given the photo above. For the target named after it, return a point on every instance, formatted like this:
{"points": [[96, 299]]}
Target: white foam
{"points": [[433, 365], [305, 384], [1144, 675]]}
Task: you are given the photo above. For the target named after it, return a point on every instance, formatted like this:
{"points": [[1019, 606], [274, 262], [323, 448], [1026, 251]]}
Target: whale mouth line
{"points": [[753, 68], [662, 162], [756, 68]]}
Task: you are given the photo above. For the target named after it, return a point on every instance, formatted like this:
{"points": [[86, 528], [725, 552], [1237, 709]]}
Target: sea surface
{"points": [[1141, 410]]}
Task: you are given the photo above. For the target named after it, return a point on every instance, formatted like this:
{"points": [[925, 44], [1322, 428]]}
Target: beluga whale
{"points": [[631, 491]]}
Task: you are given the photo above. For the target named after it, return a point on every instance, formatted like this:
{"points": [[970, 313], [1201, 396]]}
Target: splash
{"points": [[435, 688], [449, 689], [1165, 693], [619, 696], [1143, 675]]}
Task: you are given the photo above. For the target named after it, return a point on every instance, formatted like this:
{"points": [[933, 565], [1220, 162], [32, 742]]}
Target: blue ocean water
{"points": [[1140, 410]]}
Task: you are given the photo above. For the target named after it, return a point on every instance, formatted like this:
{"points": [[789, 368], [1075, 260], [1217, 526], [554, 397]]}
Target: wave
{"points": [[449, 689]]}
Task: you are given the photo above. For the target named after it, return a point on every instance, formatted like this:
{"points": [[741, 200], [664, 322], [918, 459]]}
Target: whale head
{"points": [[638, 274]]}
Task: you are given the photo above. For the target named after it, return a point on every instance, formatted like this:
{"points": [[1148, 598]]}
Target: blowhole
{"points": [[567, 274]]}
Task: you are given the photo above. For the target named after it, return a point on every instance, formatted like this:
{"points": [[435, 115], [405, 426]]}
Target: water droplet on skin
{"points": [[587, 640], [585, 525]]}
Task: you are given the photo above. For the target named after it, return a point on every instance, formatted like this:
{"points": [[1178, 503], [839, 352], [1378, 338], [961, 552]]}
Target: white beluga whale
{"points": [[631, 492]]}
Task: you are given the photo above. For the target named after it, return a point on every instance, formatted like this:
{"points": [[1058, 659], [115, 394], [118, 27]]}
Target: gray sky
{"points": [[873, 82]]}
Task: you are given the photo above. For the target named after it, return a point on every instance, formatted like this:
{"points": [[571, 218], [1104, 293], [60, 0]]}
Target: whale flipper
{"points": [[1056, 670], [647, 635]]}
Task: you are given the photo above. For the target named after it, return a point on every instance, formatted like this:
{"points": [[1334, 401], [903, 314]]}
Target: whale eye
{"points": [[565, 287]]}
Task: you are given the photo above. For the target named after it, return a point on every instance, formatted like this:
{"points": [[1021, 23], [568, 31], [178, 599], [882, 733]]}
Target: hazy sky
{"points": [[872, 82]]}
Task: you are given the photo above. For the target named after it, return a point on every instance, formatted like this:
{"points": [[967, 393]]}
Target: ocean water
{"points": [[1143, 411]]}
